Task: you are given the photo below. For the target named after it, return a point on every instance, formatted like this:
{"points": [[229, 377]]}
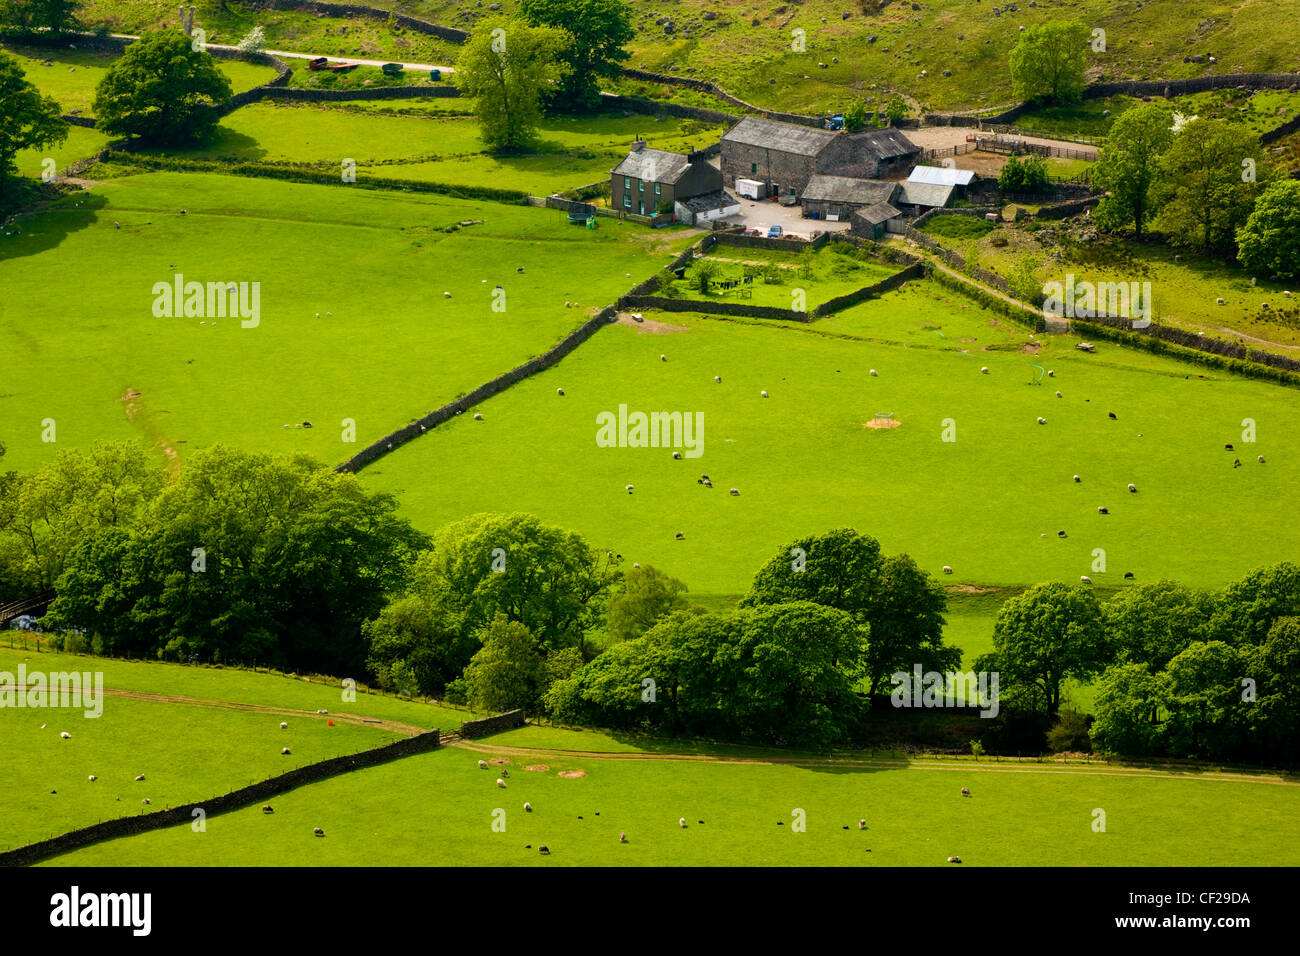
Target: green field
{"points": [[439, 809], [394, 348], [988, 504], [826, 275]]}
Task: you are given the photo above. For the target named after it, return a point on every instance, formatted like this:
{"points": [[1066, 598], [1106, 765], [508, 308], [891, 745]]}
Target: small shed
{"points": [[698, 210], [836, 197], [874, 221], [918, 198]]}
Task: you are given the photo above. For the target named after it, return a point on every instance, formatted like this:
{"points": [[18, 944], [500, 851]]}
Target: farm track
{"points": [[390, 725], [1022, 765]]}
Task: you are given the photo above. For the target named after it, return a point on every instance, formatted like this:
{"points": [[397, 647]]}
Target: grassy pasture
{"points": [[439, 808], [394, 348], [80, 144], [828, 275], [989, 503], [75, 74]]}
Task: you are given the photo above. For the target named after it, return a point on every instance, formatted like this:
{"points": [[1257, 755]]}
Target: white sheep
{"points": [[763, 393], [318, 831], [559, 391], [681, 822], [965, 792], [139, 777], [1085, 579], [622, 838], [1058, 394], [1042, 420], [1077, 478], [1051, 373], [482, 764], [501, 783], [985, 369], [628, 488], [873, 373], [677, 456], [478, 417], [663, 358], [718, 379], [283, 725], [528, 807], [735, 491], [93, 778], [145, 801], [1132, 487], [947, 570], [285, 752], [446, 295], [862, 824], [65, 735], [1103, 511]]}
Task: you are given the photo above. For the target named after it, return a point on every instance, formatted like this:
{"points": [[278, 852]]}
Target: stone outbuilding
{"points": [[782, 156], [649, 177], [835, 198]]}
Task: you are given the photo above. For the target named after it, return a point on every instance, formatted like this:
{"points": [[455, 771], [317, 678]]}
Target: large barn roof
{"points": [[783, 137], [926, 194], [884, 144], [844, 189], [941, 176]]}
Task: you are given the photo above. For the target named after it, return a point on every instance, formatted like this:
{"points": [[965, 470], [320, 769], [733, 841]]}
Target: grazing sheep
{"points": [[1058, 394], [93, 778], [559, 391], [873, 373], [1103, 511], [680, 536], [663, 358], [1236, 463], [519, 268], [544, 850], [1227, 448], [1077, 479], [957, 859], [1219, 301], [1261, 459], [1111, 415], [628, 488], [501, 783], [718, 379], [985, 370], [482, 764], [709, 484], [763, 393], [1128, 575], [285, 752], [1051, 373], [681, 822], [283, 725], [505, 772], [622, 838], [965, 792], [322, 711], [1132, 487], [528, 807], [1085, 579], [318, 831], [1061, 534], [677, 456], [947, 570], [862, 824], [267, 808], [139, 777], [735, 491], [65, 735], [446, 295], [1042, 420], [145, 801]]}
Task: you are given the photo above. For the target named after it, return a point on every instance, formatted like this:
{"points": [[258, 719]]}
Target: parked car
{"points": [[774, 232]]}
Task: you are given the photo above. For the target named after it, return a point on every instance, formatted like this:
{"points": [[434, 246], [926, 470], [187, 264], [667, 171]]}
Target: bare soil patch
{"points": [[537, 767], [882, 423], [648, 326], [571, 774]]}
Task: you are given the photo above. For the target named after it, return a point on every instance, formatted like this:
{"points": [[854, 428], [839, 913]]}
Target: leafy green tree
{"points": [[895, 108], [547, 579], [44, 515], [855, 116], [163, 90], [413, 646], [647, 594], [53, 15], [839, 569], [1023, 174], [507, 672], [1203, 197], [905, 618], [1130, 164], [506, 66], [27, 119], [1023, 279], [1127, 708], [1049, 60], [1047, 635], [1249, 608], [598, 32], [1152, 623], [1207, 716], [1269, 243], [1274, 715], [703, 274]]}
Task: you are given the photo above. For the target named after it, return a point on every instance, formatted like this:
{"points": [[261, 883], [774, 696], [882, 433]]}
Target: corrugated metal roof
{"points": [[845, 189], [880, 212], [941, 176], [783, 137], [653, 165]]}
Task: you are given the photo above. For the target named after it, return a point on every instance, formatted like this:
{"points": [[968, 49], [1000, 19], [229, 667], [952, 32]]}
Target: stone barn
{"points": [[875, 221], [835, 198], [649, 177], [782, 156], [879, 154]]}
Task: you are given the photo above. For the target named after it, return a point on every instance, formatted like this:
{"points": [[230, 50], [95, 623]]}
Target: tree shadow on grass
{"points": [[225, 145], [48, 227]]}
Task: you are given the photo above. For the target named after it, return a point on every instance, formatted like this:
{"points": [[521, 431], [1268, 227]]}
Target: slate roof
{"points": [[941, 176], [782, 137], [884, 144], [880, 212], [863, 192], [653, 165], [926, 194], [710, 201]]}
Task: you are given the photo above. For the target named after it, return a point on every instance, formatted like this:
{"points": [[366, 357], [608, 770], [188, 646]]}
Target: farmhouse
{"points": [[702, 209], [837, 197], [959, 179], [648, 178], [782, 156], [874, 221]]}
